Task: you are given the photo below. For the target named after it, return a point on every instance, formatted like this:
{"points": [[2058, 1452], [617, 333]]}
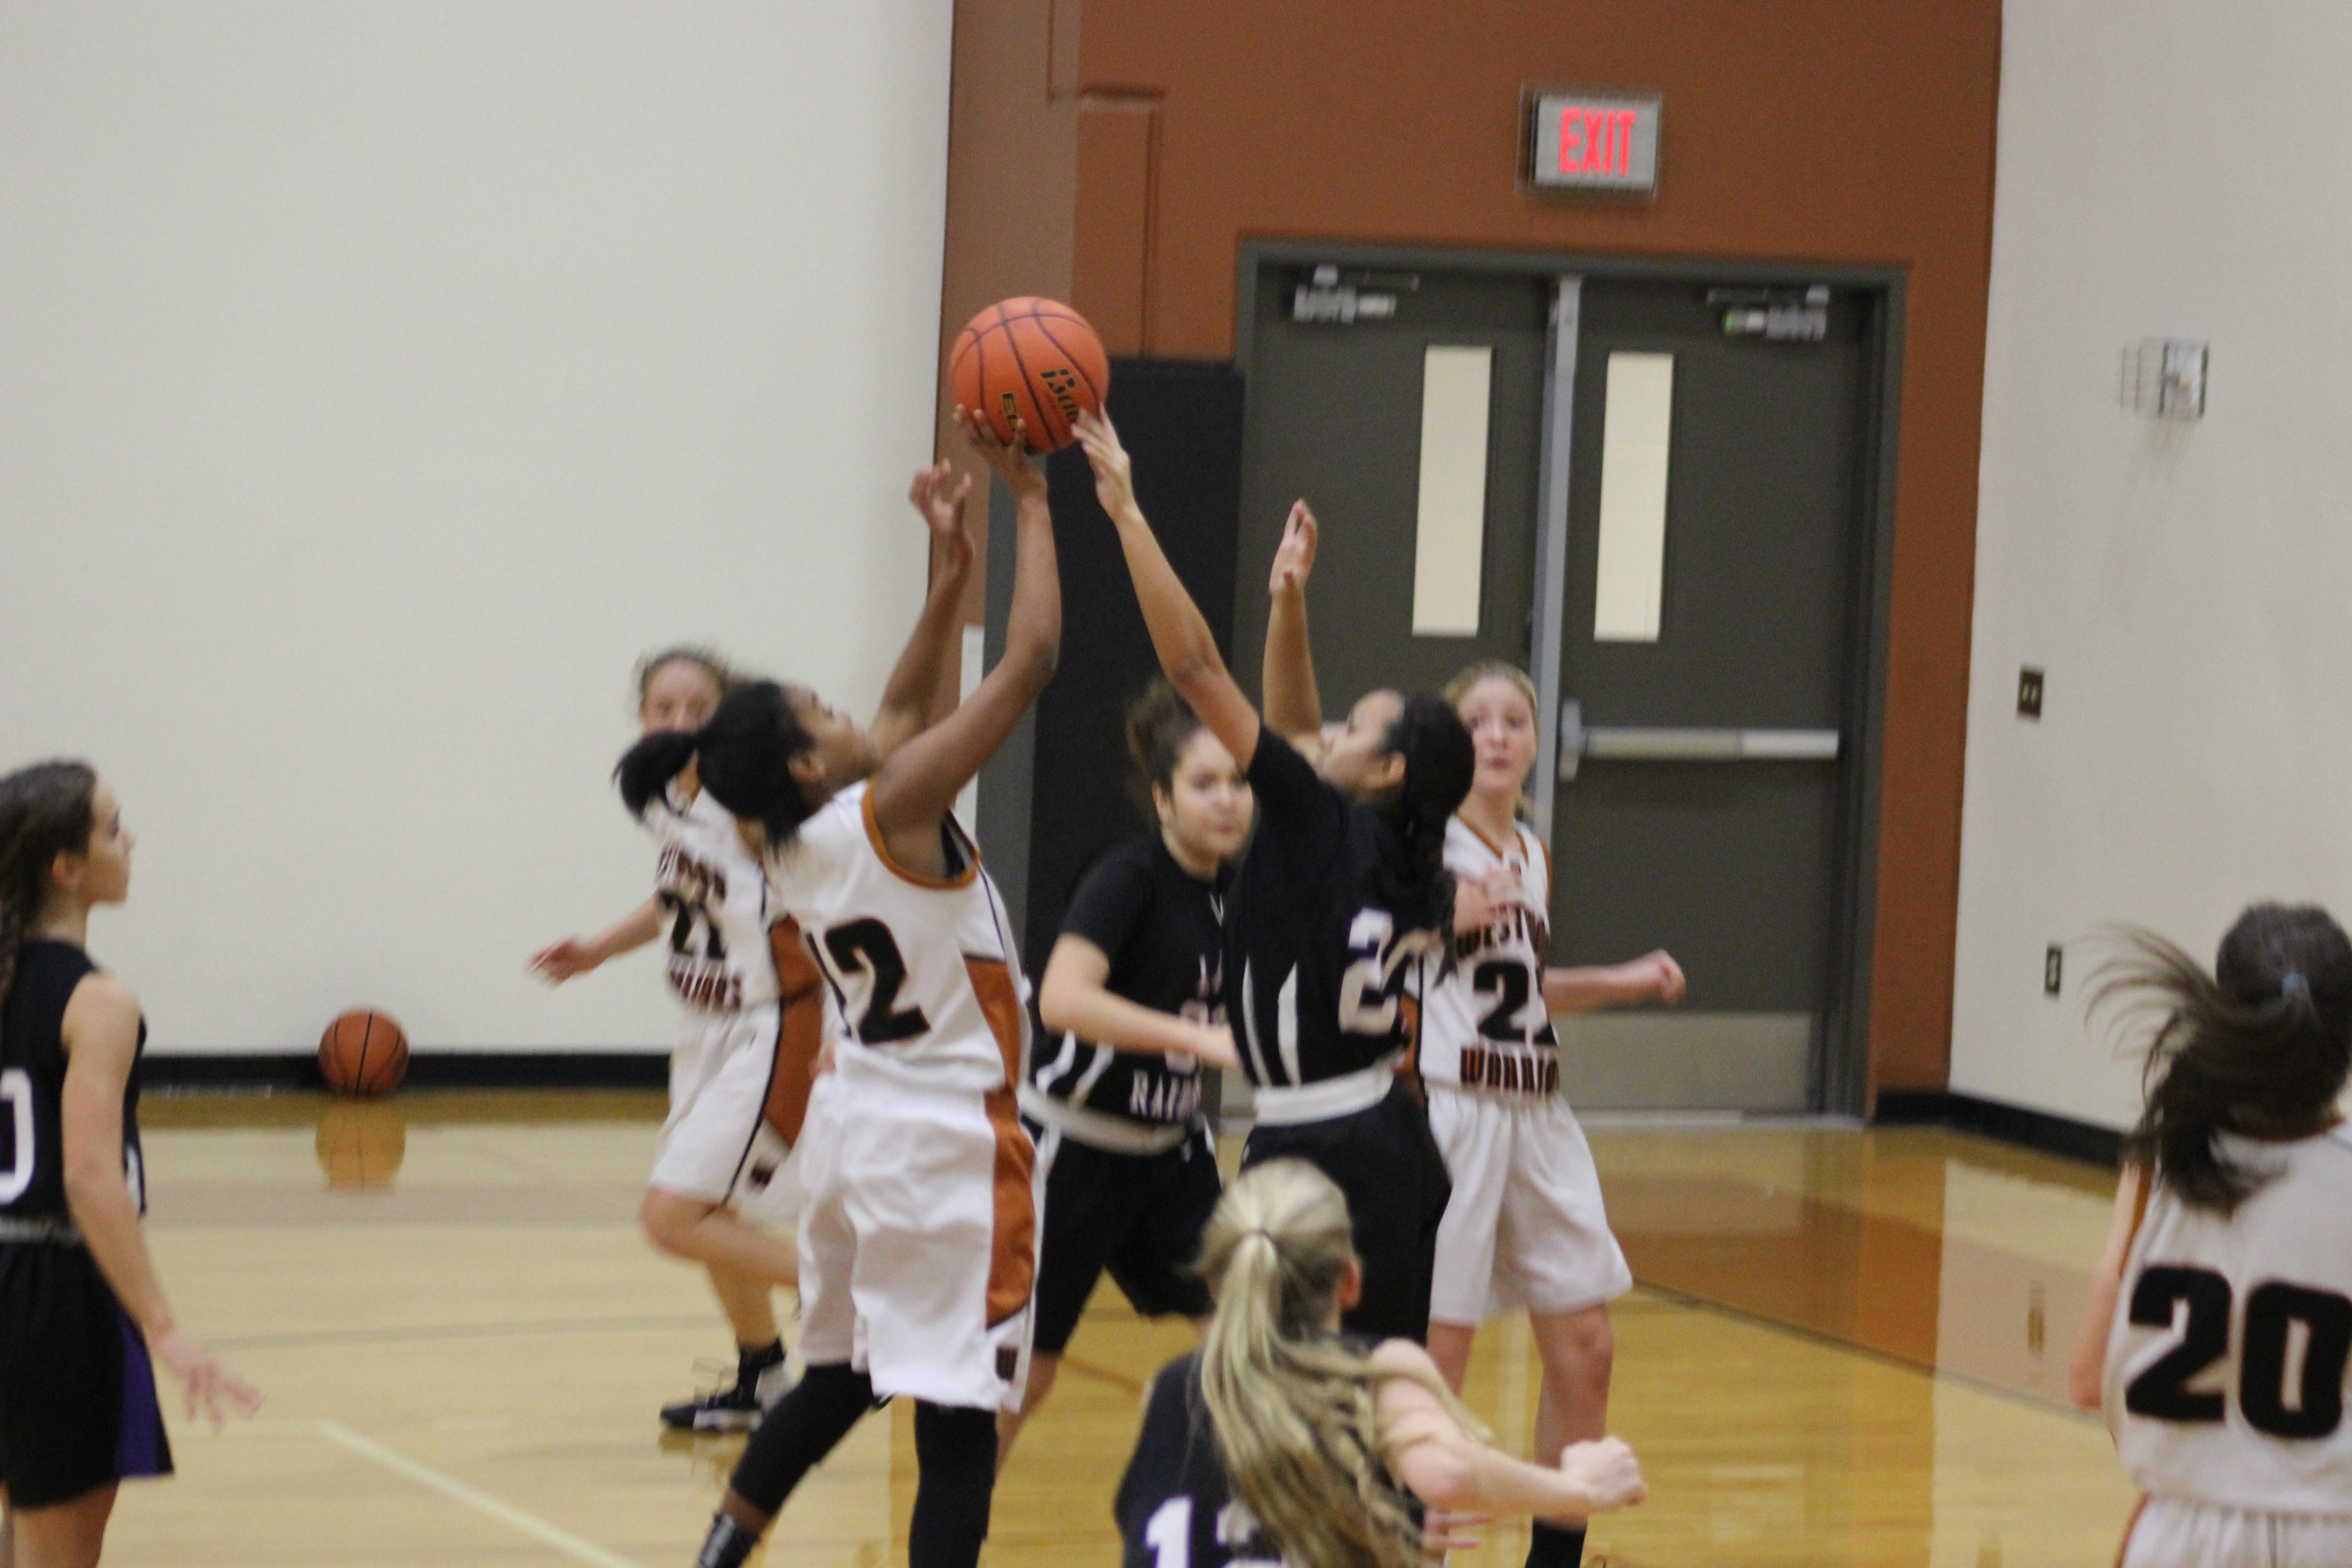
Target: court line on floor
{"points": [[1865, 1353], [455, 1490]]}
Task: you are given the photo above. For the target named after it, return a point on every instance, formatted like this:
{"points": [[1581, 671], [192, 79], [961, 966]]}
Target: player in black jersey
{"points": [[1133, 1004], [80, 1308], [1341, 891], [1281, 1441]]}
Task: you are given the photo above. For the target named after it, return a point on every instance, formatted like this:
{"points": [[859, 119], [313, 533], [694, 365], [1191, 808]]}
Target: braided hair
{"points": [[46, 810], [1439, 763], [2259, 1047]]}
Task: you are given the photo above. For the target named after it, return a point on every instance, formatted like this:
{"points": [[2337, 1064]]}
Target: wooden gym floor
{"points": [[1847, 1348]]}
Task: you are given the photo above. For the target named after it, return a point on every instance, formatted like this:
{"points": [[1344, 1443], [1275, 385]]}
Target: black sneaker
{"points": [[735, 1409]]}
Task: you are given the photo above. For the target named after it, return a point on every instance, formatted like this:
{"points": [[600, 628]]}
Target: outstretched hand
{"points": [[560, 962], [1606, 1471], [1659, 976], [1012, 463], [942, 495], [1113, 469], [1294, 558]]}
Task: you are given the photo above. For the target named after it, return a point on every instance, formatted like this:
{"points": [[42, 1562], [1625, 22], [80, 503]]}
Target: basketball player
{"points": [[920, 1233], [81, 1310], [1316, 1447], [1525, 1226], [2219, 1324], [717, 1165], [1341, 892], [1133, 1004]]}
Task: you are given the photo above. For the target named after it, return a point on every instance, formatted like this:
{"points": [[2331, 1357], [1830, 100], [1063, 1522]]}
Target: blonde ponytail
{"points": [[1291, 1403]]}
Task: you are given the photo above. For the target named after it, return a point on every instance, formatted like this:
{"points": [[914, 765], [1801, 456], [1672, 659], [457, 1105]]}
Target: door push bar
{"points": [[1644, 744]]}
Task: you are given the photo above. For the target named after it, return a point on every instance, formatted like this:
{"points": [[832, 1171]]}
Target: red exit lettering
{"points": [[1596, 141]]}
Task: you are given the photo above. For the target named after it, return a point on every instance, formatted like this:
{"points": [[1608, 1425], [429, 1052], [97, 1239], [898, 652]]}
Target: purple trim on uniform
{"points": [[138, 1446]]}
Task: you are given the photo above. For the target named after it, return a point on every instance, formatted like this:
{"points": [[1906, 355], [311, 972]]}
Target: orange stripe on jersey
{"points": [[2122, 1549], [800, 1039], [1000, 1002], [921, 879], [1013, 1248]]}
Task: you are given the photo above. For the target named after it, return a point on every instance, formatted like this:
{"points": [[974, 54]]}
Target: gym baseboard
{"points": [[285, 1072], [2016, 1124]]}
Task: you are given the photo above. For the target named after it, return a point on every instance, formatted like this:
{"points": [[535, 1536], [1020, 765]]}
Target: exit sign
{"points": [[1595, 141]]}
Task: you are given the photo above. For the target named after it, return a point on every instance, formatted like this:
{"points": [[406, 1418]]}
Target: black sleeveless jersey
{"points": [[1321, 931], [1175, 1507], [1162, 930], [33, 1082]]}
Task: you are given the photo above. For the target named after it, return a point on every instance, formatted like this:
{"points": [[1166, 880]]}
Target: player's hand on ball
{"points": [[941, 495], [563, 960], [1605, 1472], [1113, 469], [205, 1378], [1293, 559], [1012, 463], [1664, 976], [1214, 1047]]}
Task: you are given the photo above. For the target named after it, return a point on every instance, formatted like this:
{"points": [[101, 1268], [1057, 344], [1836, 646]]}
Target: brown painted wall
{"points": [[1803, 130]]}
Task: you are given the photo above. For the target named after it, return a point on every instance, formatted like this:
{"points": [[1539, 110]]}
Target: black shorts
{"points": [[1138, 1216], [1387, 1164], [78, 1405]]}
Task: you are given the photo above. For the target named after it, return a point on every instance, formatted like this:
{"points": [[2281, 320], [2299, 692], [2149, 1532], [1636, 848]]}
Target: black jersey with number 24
{"points": [[1322, 929], [1160, 928]]}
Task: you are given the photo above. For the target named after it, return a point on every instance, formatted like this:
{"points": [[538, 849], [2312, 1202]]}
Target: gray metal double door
{"points": [[1697, 782]]}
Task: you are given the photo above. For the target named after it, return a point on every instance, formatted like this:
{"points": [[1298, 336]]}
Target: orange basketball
{"points": [[363, 1053], [1032, 359]]}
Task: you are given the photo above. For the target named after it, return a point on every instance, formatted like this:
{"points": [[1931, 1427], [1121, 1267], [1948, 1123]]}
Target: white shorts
{"points": [[1525, 1226], [2174, 1533], [717, 1144], [918, 1244]]}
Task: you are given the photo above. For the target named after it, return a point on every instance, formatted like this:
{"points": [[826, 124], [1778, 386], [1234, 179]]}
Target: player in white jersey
{"points": [[918, 1238], [722, 1180], [2219, 1324], [1525, 1226]]}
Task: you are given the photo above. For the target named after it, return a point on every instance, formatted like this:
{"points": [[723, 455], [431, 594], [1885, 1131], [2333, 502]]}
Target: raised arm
{"points": [[1180, 636], [1076, 996], [913, 700], [1293, 705], [919, 780], [101, 1040], [1448, 1468]]}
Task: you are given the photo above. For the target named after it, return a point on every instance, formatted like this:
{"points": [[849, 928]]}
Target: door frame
{"points": [[1839, 1077]]}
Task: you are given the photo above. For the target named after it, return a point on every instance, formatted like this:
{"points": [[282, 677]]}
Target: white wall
{"points": [[377, 380], [2174, 168]]}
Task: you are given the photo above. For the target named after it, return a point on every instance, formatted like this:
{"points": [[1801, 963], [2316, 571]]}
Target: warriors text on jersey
{"points": [[922, 967], [2226, 1364], [33, 1082], [715, 906], [1483, 1025], [1160, 928], [1321, 937]]}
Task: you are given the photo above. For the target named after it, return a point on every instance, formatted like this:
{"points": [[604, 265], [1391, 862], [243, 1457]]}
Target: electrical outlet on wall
{"points": [[2029, 692], [2053, 969]]}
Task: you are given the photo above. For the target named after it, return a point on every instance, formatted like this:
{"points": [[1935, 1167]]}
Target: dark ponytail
{"points": [[1440, 760], [743, 757], [2259, 1048], [1160, 725], [46, 810]]}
